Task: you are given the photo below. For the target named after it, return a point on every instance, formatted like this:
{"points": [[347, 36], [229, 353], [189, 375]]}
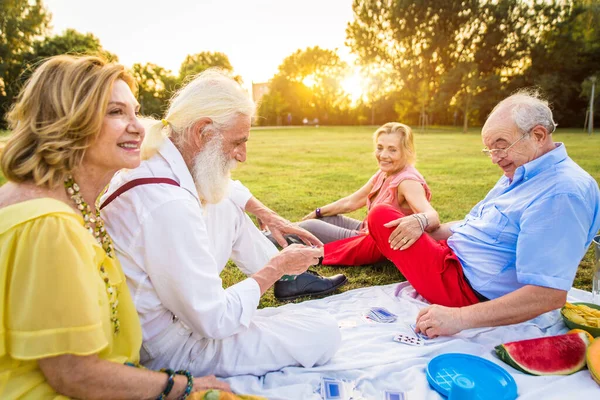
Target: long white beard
{"points": [[212, 171]]}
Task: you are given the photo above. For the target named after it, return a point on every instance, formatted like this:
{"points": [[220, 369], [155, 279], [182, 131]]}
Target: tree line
{"points": [[425, 61]]}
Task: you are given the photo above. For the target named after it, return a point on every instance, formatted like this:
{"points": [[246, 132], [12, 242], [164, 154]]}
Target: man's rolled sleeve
{"points": [[552, 241], [239, 194]]}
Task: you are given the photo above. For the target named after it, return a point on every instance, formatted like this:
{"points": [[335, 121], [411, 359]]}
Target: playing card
{"points": [[348, 323], [409, 340], [332, 389], [380, 314], [384, 313], [420, 335], [394, 395]]}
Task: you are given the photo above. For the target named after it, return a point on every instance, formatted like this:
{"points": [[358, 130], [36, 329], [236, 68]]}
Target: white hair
{"points": [[211, 94], [528, 109]]}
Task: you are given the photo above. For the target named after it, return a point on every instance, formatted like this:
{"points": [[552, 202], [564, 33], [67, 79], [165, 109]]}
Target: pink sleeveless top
{"points": [[385, 189]]}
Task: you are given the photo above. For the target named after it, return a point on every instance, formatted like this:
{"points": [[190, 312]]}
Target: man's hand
{"points": [[296, 258], [293, 260], [280, 226], [437, 320], [408, 230]]}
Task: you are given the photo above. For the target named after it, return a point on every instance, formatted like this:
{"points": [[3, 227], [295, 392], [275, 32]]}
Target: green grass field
{"points": [[295, 170]]}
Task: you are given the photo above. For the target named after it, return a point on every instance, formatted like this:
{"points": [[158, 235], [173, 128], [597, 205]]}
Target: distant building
{"points": [[259, 90]]}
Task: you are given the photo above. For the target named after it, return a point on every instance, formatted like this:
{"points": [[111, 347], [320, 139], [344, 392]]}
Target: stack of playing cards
{"points": [[420, 334], [380, 314]]}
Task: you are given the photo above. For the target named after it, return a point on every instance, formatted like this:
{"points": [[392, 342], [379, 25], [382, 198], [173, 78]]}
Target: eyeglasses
{"points": [[502, 153]]}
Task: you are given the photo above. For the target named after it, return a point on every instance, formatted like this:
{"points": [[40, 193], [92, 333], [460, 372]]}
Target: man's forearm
{"points": [[443, 232], [267, 277], [255, 207], [521, 305]]}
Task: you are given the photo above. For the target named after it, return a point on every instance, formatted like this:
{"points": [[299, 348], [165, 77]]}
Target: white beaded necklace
{"points": [[100, 234]]}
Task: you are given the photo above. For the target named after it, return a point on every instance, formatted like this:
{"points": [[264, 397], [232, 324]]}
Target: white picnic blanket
{"points": [[369, 357]]}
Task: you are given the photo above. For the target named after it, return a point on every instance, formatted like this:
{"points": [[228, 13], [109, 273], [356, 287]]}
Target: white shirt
{"points": [[162, 242]]}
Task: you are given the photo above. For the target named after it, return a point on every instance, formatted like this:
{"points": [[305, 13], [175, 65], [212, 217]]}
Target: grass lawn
{"points": [[295, 170]]}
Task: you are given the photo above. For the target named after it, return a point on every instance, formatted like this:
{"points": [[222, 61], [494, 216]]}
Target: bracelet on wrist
{"points": [[170, 382], [426, 220], [416, 216], [318, 213], [190, 383]]}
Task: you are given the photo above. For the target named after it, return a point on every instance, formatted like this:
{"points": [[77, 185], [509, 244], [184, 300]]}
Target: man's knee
{"points": [[330, 338], [333, 336]]}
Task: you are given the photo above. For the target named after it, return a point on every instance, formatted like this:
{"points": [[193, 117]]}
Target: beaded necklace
{"points": [[101, 235]]}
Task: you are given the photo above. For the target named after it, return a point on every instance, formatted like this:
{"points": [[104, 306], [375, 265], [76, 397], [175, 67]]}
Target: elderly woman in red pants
{"points": [[397, 184]]}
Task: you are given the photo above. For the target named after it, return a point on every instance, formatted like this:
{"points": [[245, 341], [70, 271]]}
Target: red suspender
{"points": [[134, 183]]}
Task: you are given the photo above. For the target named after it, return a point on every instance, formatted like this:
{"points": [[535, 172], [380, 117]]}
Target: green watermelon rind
{"points": [[504, 355]]}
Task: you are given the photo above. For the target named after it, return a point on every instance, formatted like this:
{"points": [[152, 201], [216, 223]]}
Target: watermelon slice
{"points": [[552, 355]]}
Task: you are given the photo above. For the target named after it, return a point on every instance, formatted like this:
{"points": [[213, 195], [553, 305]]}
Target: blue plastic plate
{"points": [[491, 381]]}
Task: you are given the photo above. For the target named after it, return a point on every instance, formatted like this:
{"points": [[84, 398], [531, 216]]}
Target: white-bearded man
{"points": [[176, 221]]}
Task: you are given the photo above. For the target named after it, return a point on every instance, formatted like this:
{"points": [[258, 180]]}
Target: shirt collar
{"points": [[534, 167], [175, 160]]}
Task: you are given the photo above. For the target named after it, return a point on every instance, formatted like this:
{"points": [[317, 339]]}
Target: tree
{"points": [[70, 42], [308, 84], [155, 87], [420, 42], [564, 59], [196, 63], [21, 22]]}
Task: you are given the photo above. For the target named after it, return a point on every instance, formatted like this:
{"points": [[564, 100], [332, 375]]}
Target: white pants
{"points": [[276, 338]]}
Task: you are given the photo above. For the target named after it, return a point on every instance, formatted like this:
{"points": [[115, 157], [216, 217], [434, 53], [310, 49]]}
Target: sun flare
{"points": [[354, 86]]}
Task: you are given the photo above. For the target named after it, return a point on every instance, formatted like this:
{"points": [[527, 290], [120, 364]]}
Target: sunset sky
{"points": [[256, 35]]}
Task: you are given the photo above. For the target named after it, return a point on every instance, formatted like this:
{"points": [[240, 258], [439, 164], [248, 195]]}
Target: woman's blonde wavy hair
{"points": [[57, 116], [405, 134]]}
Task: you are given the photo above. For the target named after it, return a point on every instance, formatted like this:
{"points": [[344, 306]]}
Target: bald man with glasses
{"points": [[516, 253]]}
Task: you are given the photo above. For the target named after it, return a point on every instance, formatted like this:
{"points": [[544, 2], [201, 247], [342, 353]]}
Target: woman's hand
{"points": [[310, 215], [210, 382], [408, 230]]}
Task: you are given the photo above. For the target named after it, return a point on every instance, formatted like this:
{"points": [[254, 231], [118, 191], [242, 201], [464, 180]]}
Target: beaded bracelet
{"points": [[170, 383], [190, 383]]}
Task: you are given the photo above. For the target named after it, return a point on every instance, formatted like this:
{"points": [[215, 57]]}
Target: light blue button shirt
{"points": [[532, 231]]}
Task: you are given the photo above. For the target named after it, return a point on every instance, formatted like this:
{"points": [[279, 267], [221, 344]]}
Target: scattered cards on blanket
{"points": [[347, 323], [380, 314], [394, 395], [335, 389], [409, 340], [419, 335]]}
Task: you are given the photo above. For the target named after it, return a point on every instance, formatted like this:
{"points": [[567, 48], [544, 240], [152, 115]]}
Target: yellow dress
{"points": [[54, 300]]}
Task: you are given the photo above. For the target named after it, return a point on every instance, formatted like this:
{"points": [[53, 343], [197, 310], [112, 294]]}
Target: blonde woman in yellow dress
{"points": [[69, 326]]}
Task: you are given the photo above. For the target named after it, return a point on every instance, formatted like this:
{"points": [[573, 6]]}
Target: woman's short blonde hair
{"points": [[405, 136], [57, 116]]}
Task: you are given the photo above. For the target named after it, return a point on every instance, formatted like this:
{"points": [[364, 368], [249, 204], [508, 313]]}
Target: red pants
{"points": [[430, 266], [356, 250]]}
